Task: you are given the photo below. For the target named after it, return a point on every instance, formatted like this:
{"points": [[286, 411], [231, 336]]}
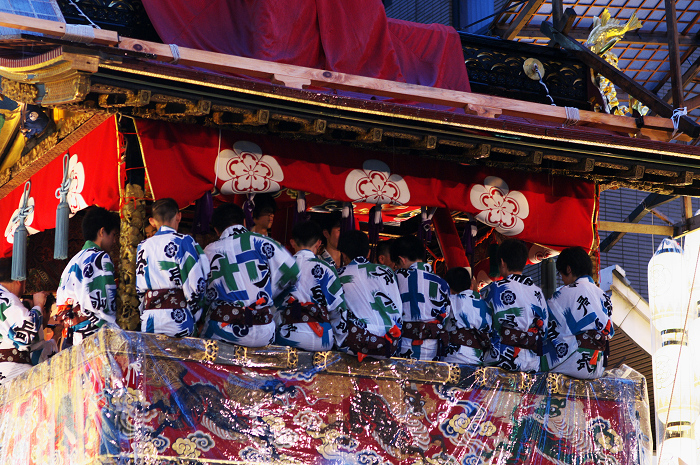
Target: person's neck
{"points": [[334, 253], [12, 286], [259, 230]]}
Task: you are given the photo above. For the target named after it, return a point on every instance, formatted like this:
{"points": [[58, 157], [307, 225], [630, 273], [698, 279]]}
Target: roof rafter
{"points": [[523, 17], [672, 33], [633, 37]]}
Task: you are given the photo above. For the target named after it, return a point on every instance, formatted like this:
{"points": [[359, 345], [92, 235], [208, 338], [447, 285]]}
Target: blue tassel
{"points": [[19, 253], [19, 245], [60, 245]]}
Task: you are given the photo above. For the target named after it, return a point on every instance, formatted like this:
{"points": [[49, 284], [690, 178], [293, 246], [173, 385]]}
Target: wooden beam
{"points": [[651, 201], [620, 79], [689, 74], [566, 22], [692, 103], [685, 56], [636, 228], [523, 17], [672, 32], [632, 37], [53, 28]]}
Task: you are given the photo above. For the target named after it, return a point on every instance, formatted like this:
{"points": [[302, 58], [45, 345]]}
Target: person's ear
{"points": [[101, 233], [568, 270], [294, 243], [153, 222]]}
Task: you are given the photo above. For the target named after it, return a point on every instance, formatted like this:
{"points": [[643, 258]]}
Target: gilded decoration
{"points": [[605, 34], [131, 234], [19, 91]]}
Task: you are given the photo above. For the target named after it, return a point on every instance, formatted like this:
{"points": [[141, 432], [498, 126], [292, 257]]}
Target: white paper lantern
{"points": [[668, 289], [679, 403], [677, 448]]}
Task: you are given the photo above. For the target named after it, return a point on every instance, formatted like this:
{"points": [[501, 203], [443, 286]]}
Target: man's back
{"points": [[248, 271], [171, 278], [519, 314], [373, 298]]}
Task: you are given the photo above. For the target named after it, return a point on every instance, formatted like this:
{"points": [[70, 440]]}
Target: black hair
{"points": [[225, 215], [384, 247], [353, 243], [264, 203], [331, 220], [97, 218], [514, 253], [164, 210], [6, 270], [458, 279], [307, 233], [407, 246], [576, 258]]}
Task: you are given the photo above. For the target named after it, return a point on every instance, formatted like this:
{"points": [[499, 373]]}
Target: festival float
{"points": [[399, 147]]}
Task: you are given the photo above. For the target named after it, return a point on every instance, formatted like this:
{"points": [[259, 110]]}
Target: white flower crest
{"points": [[374, 183], [76, 174], [245, 169], [14, 220], [500, 207], [538, 253]]}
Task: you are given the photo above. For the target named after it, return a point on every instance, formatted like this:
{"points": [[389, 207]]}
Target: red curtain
{"points": [[352, 37], [94, 170], [551, 210]]}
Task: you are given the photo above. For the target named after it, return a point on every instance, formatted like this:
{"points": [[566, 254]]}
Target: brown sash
{"points": [[164, 299], [362, 342], [523, 339], [297, 312], [15, 355], [422, 330], [470, 337], [225, 312], [592, 340]]}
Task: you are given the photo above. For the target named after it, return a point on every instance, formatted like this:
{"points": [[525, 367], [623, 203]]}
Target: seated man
{"points": [[580, 323], [374, 302], [314, 316], [248, 271], [469, 324], [518, 311], [86, 294], [330, 226], [19, 327], [171, 275], [425, 299], [263, 213]]}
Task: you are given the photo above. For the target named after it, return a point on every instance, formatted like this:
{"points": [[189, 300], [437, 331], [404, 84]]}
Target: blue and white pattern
{"points": [[580, 306], [170, 260], [247, 269], [88, 281], [425, 297], [468, 312], [514, 302], [372, 295], [19, 329], [319, 284]]}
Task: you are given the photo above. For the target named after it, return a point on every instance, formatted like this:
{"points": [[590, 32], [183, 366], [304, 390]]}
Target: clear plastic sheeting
{"points": [[123, 398]]}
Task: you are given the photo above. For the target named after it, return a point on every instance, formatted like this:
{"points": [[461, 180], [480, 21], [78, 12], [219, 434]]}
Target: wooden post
{"points": [[672, 31]]}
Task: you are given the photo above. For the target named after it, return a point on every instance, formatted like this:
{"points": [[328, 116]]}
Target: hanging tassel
{"points": [[375, 223], [203, 210], [248, 207], [19, 246], [425, 232], [348, 218], [300, 215], [60, 245], [469, 234]]}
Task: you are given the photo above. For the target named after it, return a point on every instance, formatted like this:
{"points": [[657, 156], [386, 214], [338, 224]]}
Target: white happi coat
{"points": [[88, 281], [318, 283], [372, 296], [247, 269], [581, 306], [468, 312], [425, 297], [514, 302], [19, 328], [169, 260]]}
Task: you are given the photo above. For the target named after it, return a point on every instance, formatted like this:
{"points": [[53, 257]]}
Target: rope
{"points": [[80, 12], [572, 116], [25, 209], [62, 192], [676, 118], [175, 50], [81, 33]]}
